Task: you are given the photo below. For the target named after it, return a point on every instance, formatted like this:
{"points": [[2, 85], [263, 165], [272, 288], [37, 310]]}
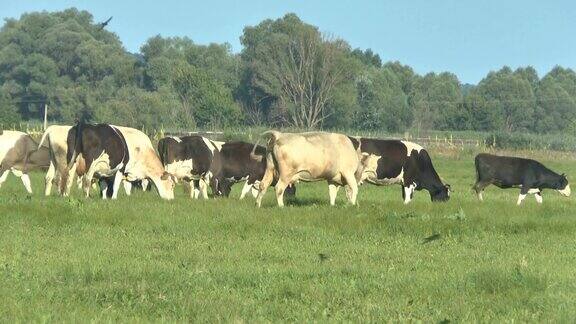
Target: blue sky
{"points": [[468, 38]]}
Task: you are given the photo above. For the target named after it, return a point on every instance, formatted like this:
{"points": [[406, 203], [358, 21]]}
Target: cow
{"points": [[107, 154], [531, 176], [311, 156], [241, 161], [19, 154], [192, 159], [401, 162]]}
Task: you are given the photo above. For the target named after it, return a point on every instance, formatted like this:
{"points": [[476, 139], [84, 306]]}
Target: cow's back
{"points": [[322, 154]]}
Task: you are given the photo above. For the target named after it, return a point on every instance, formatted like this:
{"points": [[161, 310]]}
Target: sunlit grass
{"points": [[143, 259]]}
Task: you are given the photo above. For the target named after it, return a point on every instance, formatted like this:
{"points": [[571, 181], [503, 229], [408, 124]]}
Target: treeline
{"points": [[288, 74]]}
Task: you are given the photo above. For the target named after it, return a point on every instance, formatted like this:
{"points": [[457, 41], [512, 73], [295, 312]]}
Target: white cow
{"points": [[311, 156]]}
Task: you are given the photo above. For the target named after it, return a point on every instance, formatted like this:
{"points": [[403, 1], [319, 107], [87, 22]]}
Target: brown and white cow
{"points": [[19, 154], [107, 154], [308, 157], [401, 162]]}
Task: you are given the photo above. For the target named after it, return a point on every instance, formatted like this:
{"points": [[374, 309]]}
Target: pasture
{"points": [[143, 259]]}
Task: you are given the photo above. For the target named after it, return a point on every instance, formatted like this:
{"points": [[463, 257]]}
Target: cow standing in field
{"points": [[512, 172], [19, 154], [308, 157], [192, 159], [401, 162], [241, 161], [107, 154]]}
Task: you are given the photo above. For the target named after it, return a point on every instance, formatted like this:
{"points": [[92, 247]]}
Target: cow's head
{"points": [[166, 186], [562, 186], [441, 194]]}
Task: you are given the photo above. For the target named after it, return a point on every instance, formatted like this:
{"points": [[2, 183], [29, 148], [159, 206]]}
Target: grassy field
{"points": [[143, 259]]}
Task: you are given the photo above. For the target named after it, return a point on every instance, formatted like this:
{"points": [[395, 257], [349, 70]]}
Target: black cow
{"points": [[105, 155], [241, 161], [512, 172], [193, 159], [402, 162]]}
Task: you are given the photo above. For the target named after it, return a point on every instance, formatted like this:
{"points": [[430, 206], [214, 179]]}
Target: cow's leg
{"points": [[69, 180], [116, 185], [48, 179], [245, 189], [127, 187], [523, 193], [3, 176], [333, 192], [351, 182], [538, 197], [26, 181], [87, 183], [479, 187], [203, 188], [103, 184], [280, 187], [265, 183], [255, 189], [145, 184]]}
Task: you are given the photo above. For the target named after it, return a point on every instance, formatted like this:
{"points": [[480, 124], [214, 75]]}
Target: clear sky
{"points": [[468, 38]]}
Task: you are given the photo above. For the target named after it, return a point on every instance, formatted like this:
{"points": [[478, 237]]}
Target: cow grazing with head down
{"points": [[192, 159], [119, 153], [20, 154], [311, 156], [241, 161], [532, 177], [401, 162]]}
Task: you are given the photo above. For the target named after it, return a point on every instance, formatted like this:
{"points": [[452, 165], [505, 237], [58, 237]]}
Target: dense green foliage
{"points": [[139, 259], [288, 74]]}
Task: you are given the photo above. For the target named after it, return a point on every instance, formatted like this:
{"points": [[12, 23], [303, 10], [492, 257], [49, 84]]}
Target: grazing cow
{"points": [[192, 159], [19, 153], [106, 154], [511, 172], [401, 162], [241, 161], [311, 156]]}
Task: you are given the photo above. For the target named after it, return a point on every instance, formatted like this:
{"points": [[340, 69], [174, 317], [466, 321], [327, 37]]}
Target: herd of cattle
{"points": [[112, 156]]}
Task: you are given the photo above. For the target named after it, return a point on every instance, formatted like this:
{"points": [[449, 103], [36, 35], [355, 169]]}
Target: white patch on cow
{"points": [[520, 198], [177, 139], [411, 147], [180, 169], [370, 173], [101, 166], [209, 144], [218, 145], [566, 191], [533, 191], [480, 196], [245, 189]]}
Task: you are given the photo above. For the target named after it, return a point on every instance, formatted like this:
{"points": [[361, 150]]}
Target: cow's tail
{"points": [[77, 147], [44, 136], [71, 156]]}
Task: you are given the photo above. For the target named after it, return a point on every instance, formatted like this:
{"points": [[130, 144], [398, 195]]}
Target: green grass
{"points": [[143, 259]]}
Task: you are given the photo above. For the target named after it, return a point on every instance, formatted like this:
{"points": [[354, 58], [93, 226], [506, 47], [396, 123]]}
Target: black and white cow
{"points": [[241, 161], [19, 154], [192, 159], [401, 162], [512, 172], [120, 153]]}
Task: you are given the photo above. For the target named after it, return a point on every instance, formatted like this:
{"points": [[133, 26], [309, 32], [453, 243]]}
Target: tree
{"points": [[298, 67]]}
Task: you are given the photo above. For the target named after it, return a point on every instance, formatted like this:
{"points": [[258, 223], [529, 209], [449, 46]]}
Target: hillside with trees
{"points": [[288, 74]]}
